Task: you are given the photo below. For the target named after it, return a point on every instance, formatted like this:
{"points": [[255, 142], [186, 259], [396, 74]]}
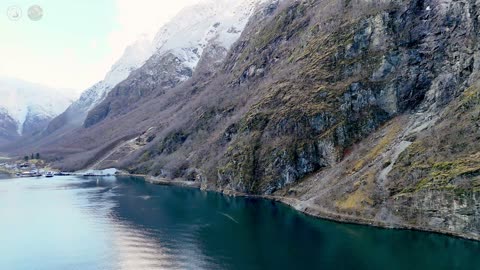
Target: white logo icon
{"points": [[14, 13]]}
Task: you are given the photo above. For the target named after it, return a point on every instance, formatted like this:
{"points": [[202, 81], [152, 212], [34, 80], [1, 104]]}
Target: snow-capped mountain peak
{"points": [[133, 57], [189, 33], [24, 101]]}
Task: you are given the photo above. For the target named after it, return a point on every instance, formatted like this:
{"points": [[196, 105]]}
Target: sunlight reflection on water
{"points": [[124, 223]]}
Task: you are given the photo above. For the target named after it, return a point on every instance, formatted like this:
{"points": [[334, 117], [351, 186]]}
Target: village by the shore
{"points": [[36, 167]]}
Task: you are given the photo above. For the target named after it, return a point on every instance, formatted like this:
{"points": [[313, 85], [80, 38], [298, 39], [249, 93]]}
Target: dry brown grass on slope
{"points": [[447, 156]]}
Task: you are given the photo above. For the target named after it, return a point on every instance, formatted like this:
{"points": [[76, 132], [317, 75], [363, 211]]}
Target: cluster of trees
{"points": [[36, 156]]}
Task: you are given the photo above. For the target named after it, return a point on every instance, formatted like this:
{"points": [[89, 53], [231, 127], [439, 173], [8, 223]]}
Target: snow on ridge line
{"points": [[185, 36], [211, 21], [21, 99], [133, 57]]}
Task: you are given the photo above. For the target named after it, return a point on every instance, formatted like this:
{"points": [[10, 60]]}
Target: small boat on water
{"points": [[62, 174], [49, 175], [30, 174]]}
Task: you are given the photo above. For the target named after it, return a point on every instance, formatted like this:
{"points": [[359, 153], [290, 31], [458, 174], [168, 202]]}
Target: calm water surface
{"points": [[125, 223]]}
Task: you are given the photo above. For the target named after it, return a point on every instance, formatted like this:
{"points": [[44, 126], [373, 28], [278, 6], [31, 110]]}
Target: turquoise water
{"points": [[125, 223]]}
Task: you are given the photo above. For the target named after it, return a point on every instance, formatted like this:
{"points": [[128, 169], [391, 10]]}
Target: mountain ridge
{"points": [[179, 53], [133, 57]]}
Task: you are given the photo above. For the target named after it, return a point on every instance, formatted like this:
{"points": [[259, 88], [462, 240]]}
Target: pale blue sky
{"points": [[76, 41]]}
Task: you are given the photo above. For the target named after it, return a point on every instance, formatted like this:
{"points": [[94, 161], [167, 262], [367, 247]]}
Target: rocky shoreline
{"points": [[320, 213], [309, 209]]}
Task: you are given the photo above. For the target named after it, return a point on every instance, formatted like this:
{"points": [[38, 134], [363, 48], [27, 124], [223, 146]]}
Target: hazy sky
{"points": [[76, 42]]}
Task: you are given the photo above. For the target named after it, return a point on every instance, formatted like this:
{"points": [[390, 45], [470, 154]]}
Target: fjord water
{"points": [[125, 223]]}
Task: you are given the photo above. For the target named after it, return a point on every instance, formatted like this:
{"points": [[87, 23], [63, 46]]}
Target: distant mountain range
{"points": [[27, 108]]}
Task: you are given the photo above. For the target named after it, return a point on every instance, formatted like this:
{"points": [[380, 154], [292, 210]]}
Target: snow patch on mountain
{"points": [[195, 27], [22, 100], [133, 57]]}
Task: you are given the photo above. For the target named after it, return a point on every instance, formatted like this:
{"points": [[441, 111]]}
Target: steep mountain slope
{"points": [[8, 127], [208, 30], [406, 175], [208, 27], [26, 108], [334, 107], [134, 56]]}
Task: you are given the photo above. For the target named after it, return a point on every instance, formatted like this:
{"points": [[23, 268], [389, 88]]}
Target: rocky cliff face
{"points": [[348, 109], [409, 173]]}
